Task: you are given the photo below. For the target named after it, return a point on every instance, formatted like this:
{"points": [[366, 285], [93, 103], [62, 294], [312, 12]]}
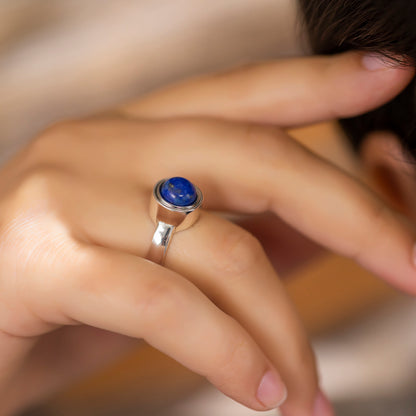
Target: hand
{"points": [[75, 226]]}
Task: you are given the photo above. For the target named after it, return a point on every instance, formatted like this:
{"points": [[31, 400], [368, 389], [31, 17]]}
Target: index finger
{"points": [[289, 92]]}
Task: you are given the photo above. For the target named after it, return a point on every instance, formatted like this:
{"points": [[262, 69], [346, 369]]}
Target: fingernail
{"points": [[271, 392], [322, 406], [376, 62]]}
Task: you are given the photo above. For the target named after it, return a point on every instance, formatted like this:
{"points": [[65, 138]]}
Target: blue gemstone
{"points": [[178, 191]]}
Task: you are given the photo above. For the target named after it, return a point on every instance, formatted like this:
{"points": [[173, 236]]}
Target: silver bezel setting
{"points": [[169, 218], [180, 217], [177, 208]]}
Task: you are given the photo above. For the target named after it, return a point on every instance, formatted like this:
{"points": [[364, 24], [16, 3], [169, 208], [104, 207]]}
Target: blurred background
{"points": [[64, 59]]}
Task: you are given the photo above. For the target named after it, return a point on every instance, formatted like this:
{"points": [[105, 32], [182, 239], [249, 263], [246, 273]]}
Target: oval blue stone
{"points": [[178, 191]]}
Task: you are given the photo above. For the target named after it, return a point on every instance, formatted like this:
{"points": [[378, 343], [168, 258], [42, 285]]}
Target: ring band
{"points": [[173, 207]]}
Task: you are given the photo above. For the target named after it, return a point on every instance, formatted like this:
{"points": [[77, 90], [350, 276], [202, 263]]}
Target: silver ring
{"points": [[173, 207]]}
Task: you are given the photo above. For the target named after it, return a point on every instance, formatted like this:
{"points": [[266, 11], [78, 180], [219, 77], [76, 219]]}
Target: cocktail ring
{"points": [[173, 207]]}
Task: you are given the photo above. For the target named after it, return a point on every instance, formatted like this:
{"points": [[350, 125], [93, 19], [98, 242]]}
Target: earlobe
{"points": [[390, 171]]}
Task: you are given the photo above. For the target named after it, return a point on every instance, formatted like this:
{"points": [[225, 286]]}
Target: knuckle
{"points": [[61, 129], [36, 184], [47, 147], [158, 304], [238, 251]]}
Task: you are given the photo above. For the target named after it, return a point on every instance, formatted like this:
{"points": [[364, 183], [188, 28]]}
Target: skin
{"points": [[73, 279]]}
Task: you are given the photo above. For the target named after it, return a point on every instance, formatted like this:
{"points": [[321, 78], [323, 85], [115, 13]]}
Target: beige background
{"points": [[66, 58]]}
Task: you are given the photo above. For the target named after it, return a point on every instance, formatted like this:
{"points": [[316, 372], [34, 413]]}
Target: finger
{"points": [[256, 169], [259, 169], [128, 295], [229, 265], [288, 93]]}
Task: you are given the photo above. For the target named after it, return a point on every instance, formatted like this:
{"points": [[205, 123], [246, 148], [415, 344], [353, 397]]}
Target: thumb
{"points": [[289, 92]]}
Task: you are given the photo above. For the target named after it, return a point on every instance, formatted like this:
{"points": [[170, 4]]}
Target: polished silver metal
{"points": [[169, 219]]}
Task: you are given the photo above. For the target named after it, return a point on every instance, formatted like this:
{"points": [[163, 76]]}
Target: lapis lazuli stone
{"points": [[178, 191]]}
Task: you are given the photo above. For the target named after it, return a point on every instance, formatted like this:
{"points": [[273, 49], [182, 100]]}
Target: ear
{"points": [[390, 171]]}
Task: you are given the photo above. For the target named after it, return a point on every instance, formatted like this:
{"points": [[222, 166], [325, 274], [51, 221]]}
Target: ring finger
{"points": [[230, 267]]}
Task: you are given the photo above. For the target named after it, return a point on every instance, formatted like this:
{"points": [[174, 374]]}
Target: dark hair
{"points": [[380, 26]]}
